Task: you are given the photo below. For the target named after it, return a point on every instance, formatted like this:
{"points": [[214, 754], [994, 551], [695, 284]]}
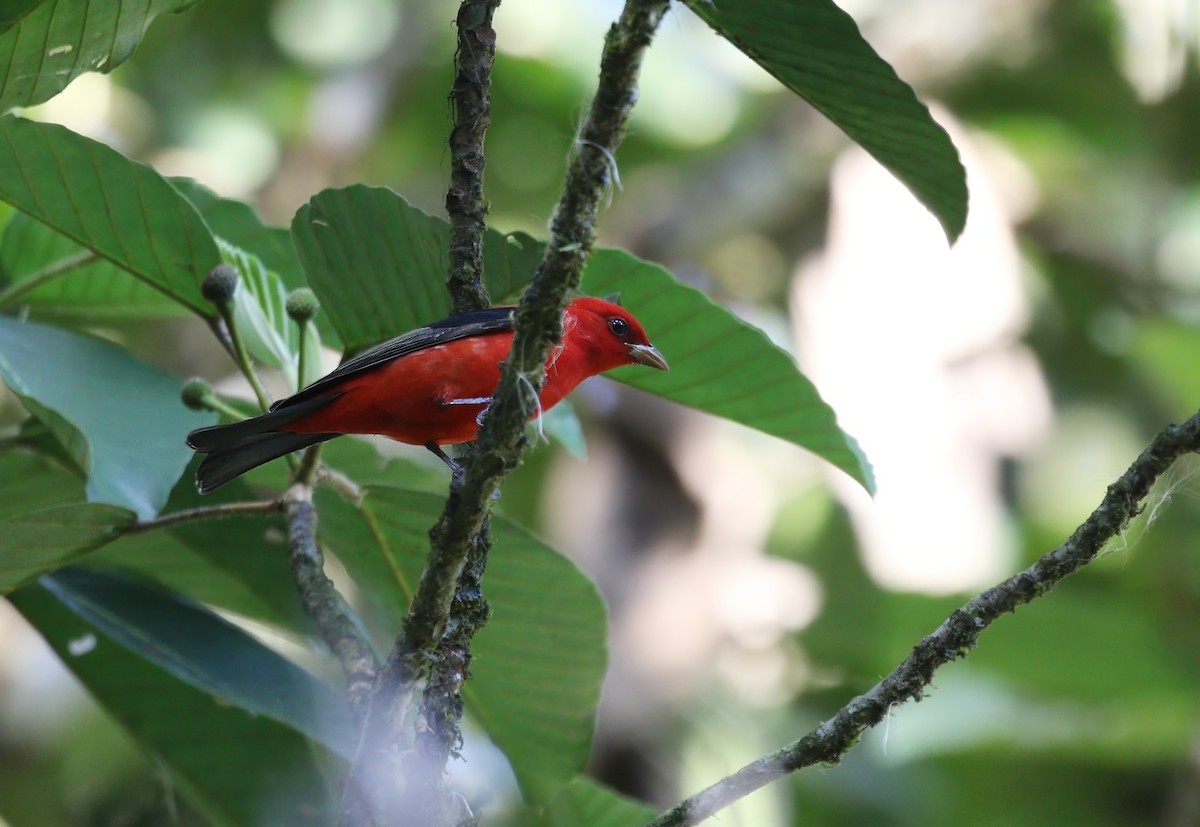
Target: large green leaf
{"points": [[815, 49], [206, 651], [238, 768], [120, 418], [59, 40], [122, 210], [537, 665], [720, 364], [379, 264], [42, 268], [584, 801], [35, 542]]}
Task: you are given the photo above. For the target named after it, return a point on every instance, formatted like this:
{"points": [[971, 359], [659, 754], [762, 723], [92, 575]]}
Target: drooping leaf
{"points": [[119, 418], [42, 268], [237, 768], [378, 264], [122, 210], [35, 542], [54, 42], [13, 11], [815, 49], [584, 801], [537, 664], [206, 651], [720, 364]]}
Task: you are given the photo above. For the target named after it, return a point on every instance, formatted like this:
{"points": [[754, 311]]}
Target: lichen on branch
{"points": [[952, 640]]}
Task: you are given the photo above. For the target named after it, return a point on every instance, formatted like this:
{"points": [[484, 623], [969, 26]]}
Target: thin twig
{"points": [[321, 599], [302, 368], [211, 512], [242, 357], [341, 483], [954, 638], [56, 269]]}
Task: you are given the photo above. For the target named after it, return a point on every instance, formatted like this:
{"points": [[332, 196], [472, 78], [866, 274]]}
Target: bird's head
{"points": [[610, 334]]}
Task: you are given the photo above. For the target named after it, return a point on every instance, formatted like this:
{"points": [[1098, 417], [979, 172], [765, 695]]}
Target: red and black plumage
{"points": [[425, 387]]}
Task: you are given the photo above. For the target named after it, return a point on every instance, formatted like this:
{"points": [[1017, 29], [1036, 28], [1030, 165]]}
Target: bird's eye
{"points": [[618, 326]]}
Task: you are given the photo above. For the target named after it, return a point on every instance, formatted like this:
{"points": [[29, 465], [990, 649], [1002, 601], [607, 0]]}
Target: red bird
{"points": [[428, 387]]}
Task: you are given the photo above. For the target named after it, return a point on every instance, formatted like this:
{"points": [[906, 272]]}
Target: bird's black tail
{"points": [[236, 448]]}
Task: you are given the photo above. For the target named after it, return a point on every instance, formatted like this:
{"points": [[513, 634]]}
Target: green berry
{"points": [[220, 284], [302, 305], [196, 394]]}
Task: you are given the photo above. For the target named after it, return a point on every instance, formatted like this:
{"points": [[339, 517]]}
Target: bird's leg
{"points": [[457, 470], [478, 400]]}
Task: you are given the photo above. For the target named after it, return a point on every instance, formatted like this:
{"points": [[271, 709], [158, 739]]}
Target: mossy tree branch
{"points": [[321, 599], [465, 203], [423, 769], [462, 525], [952, 640]]}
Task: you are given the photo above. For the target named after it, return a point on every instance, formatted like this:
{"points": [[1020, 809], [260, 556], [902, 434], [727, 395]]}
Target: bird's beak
{"points": [[649, 356]]}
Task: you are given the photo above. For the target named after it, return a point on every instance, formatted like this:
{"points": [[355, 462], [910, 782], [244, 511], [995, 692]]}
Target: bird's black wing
{"points": [[458, 326]]}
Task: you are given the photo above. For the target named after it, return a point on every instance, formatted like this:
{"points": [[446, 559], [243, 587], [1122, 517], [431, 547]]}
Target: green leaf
{"points": [[120, 418], [238, 223], [43, 269], [815, 49], [59, 40], [562, 424], [205, 651], [35, 542], [721, 364], [122, 210], [13, 11], [537, 665], [237, 768], [30, 481], [236, 564], [378, 264], [34, 435], [584, 801]]}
